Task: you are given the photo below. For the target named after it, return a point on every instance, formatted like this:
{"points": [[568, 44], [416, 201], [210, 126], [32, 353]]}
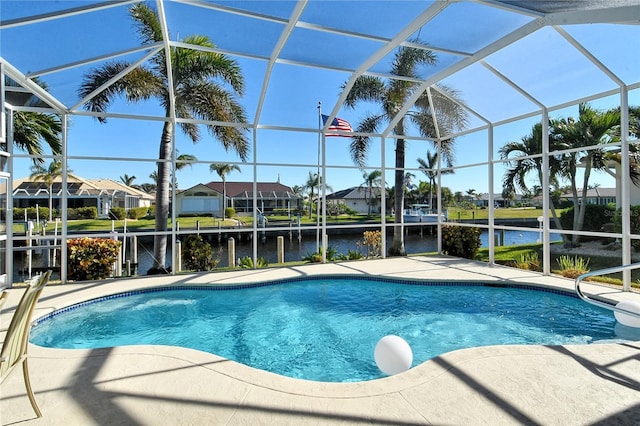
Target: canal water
{"points": [[295, 249]]}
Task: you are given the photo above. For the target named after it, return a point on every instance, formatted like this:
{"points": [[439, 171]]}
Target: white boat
{"points": [[422, 213]]}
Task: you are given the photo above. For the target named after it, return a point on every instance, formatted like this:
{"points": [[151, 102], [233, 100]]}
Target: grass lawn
{"points": [[208, 222], [506, 255]]}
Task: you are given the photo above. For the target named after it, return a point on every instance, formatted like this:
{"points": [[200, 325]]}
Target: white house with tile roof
{"points": [[100, 193]]}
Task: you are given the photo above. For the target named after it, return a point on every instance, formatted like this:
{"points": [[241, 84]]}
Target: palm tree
{"points": [[392, 95], [31, 128], [47, 175], [523, 158], [128, 180], [428, 167], [592, 128], [371, 180], [223, 169], [184, 160], [313, 181], [204, 85]]}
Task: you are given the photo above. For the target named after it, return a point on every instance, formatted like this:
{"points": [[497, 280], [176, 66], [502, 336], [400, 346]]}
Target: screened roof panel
{"points": [[442, 62], [230, 32], [328, 49], [66, 39], [293, 60], [609, 44], [548, 68], [468, 26], [374, 18], [273, 8], [495, 100]]}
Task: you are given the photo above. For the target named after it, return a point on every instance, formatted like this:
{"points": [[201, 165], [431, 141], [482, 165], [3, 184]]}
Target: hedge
{"points": [[91, 258]]}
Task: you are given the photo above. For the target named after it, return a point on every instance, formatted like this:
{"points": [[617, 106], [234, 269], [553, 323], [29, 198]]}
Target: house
{"points": [[356, 198], [498, 200], [207, 198], [100, 193], [599, 196]]}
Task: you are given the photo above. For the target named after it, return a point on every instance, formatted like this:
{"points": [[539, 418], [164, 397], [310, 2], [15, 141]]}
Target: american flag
{"points": [[337, 124]]}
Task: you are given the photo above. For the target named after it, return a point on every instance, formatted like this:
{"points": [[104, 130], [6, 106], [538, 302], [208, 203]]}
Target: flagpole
{"points": [[318, 176], [324, 199]]}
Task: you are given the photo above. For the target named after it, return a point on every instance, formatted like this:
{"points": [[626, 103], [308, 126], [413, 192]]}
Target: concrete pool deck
{"points": [[161, 385]]}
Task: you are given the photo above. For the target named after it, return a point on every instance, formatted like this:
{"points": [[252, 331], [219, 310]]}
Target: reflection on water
{"points": [[295, 249]]}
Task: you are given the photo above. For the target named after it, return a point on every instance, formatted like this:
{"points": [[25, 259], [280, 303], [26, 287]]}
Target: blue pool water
{"points": [[326, 329]]}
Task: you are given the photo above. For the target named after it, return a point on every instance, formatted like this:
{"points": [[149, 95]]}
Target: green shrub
{"points": [[91, 258], [198, 254], [460, 241], [247, 262], [635, 224], [32, 213], [595, 217], [572, 267], [351, 255], [528, 260], [137, 212], [82, 213], [229, 212], [117, 213], [332, 254]]}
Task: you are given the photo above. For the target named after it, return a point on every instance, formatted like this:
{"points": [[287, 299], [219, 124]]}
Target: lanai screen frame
{"points": [[572, 13]]}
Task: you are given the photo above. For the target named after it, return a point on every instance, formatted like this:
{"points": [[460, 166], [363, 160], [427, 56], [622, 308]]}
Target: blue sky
{"points": [[294, 91]]}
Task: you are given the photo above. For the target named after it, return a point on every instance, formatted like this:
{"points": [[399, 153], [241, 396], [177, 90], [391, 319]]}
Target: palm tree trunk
{"points": [[583, 202], [162, 201], [50, 202], [397, 246]]}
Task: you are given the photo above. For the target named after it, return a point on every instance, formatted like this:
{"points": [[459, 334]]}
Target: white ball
{"points": [[393, 355], [626, 319]]}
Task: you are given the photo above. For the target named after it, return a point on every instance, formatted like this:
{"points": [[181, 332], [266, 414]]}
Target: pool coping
{"points": [[391, 391]]}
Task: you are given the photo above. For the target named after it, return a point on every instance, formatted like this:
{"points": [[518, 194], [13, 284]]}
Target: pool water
{"points": [[326, 329]]}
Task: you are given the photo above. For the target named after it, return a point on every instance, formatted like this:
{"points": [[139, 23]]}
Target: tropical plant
{"points": [[246, 262], [371, 180], [589, 132], [523, 158], [31, 128], [316, 257], [223, 169], [528, 260], [460, 241], [128, 180], [392, 95], [198, 254], [184, 160], [47, 175], [351, 255], [203, 84], [573, 267], [372, 240], [91, 258], [313, 181], [430, 168]]}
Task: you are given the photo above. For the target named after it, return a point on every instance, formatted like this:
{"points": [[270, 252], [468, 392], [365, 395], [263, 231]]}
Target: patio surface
{"points": [[159, 385]]}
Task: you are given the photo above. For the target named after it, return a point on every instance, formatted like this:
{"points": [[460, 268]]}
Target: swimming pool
{"points": [[326, 328]]}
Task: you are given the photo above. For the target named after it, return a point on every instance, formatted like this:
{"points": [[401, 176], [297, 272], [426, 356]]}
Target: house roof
{"points": [[353, 193], [76, 186], [245, 189], [598, 192]]}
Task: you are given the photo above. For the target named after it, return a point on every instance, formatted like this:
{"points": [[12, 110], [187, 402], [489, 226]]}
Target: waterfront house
{"points": [[206, 199], [356, 198], [103, 194]]}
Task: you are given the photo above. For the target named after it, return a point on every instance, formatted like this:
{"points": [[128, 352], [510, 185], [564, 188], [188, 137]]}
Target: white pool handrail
{"points": [[600, 303]]}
